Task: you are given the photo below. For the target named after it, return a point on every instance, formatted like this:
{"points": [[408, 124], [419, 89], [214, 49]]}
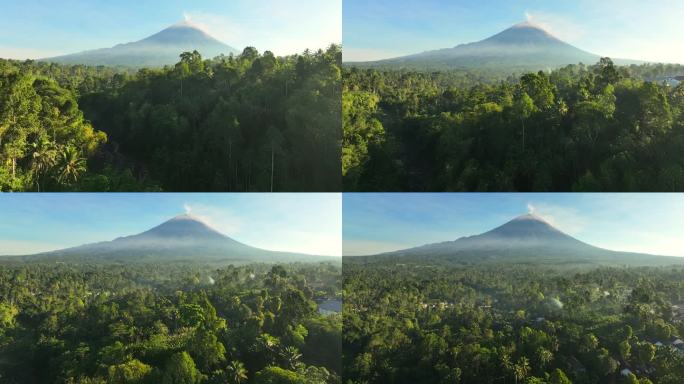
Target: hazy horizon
{"points": [[618, 29], [289, 222], [642, 223], [41, 29]]}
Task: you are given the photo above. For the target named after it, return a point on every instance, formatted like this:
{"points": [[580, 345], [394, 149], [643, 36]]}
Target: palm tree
{"points": [[291, 356], [522, 369], [544, 356], [72, 165], [43, 158], [506, 363], [237, 372]]}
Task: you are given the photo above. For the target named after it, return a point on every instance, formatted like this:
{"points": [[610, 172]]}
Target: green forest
{"points": [[251, 122], [578, 128], [169, 323], [506, 323]]}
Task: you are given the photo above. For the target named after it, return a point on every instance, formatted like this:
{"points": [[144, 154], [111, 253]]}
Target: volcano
{"points": [[182, 238], [524, 46], [525, 239], [162, 48]]}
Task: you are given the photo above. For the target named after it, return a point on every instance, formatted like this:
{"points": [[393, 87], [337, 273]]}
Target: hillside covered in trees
{"points": [[251, 122], [168, 323], [578, 128], [525, 323]]}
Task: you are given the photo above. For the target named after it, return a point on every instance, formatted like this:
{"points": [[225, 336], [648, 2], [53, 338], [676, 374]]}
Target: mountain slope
{"points": [[523, 46], [183, 238], [162, 48], [525, 239]]}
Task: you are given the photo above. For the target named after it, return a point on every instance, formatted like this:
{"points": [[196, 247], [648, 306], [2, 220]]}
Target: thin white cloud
{"points": [[289, 223], [626, 29], [371, 247], [18, 247], [220, 218], [16, 53], [366, 54], [566, 219], [283, 27], [662, 244], [560, 26]]}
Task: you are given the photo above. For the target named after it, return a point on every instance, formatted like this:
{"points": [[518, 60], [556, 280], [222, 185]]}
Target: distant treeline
{"points": [[252, 122], [578, 128]]}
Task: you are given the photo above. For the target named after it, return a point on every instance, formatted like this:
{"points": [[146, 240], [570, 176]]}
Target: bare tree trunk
{"points": [[272, 158], [230, 163], [523, 134]]}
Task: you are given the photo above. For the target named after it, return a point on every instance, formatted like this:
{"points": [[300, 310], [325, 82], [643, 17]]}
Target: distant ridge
{"points": [[162, 48], [182, 238], [524, 239], [523, 46]]}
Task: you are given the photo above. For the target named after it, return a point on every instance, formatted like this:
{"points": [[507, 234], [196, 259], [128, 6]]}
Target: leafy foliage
{"points": [[511, 323], [250, 122], [152, 323], [253, 122], [578, 128], [44, 138]]}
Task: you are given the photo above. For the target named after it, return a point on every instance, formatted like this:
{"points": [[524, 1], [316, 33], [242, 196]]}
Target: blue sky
{"points": [[633, 29], [650, 223], [301, 222], [42, 28]]}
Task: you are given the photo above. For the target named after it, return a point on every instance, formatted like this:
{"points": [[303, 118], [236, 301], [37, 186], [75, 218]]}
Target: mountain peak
{"points": [[182, 238], [189, 25], [162, 48], [523, 24], [530, 216], [526, 235], [525, 33], [528, 24], [524, 239], [525, 46], [186, 216], [182, 226], [184, 32], [187, 22], [527, 226]]}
